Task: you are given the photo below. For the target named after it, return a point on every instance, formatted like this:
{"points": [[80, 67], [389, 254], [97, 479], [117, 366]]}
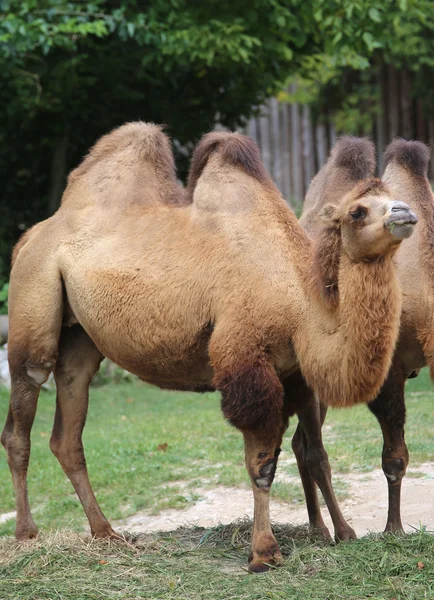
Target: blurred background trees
{"points": [[71, 71]]}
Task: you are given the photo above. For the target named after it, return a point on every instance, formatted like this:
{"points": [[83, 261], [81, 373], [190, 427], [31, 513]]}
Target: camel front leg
{"points": [[389, 408], [262, 452], [316, 461], [35, 314], [252, 400]]}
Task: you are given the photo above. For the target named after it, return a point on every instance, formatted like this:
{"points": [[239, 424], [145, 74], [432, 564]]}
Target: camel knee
{"points": [[266, 473], [297, 443], [29, 365], [37, 375], [17, 449], [395, 467], [30, 372], [70, 456], [317, 462], [262, 468]]}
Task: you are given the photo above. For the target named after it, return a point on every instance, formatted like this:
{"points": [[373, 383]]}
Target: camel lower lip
{"points": [[402, 222], [401, 228]]}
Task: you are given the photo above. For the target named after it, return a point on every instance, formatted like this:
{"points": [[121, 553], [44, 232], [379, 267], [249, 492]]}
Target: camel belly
{"points": [[160, 335]]}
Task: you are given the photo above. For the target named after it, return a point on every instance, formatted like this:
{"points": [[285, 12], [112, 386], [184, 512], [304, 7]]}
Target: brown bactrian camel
{"points": [[221, 289], [406, 165]]}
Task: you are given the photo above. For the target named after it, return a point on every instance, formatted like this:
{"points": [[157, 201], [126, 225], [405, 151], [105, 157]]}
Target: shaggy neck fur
{"points": [[348, 364], [324, 272]]}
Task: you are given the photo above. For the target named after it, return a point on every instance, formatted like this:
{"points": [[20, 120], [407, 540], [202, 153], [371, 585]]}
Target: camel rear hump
{"points": [[412, 156], [355, 154], [132, 164], [233, 149]]}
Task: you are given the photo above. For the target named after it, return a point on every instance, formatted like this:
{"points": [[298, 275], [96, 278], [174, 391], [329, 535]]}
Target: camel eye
{"points": [[359, 213]]}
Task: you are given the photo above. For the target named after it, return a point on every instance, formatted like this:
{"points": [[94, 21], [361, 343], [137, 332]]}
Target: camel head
{"points": [[370, 222]]}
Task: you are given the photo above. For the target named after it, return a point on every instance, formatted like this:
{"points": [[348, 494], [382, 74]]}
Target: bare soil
{"points": [[365, 510]]}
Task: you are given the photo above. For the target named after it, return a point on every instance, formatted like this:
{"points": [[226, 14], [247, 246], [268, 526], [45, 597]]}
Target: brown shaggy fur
{"points": [[253, 398], [325, 268], [234, 149], [188, 295], [355, 155], [371, 186], [413, 156], [127, 152]]}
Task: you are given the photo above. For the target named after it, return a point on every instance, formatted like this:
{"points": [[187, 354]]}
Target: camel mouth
{"points": [[401, 223]]}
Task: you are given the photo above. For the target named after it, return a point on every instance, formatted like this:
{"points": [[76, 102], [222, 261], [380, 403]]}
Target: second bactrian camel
{"points": [[221, 289], [406, 167]]}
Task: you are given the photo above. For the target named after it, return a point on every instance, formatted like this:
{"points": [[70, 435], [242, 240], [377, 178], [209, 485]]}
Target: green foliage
{"points": [[353, 38], [71, 71], [4, 298]]}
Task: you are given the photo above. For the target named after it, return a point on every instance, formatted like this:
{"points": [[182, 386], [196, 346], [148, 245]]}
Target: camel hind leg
{"points": [[36, 306], [389, 408], [77, 363]]}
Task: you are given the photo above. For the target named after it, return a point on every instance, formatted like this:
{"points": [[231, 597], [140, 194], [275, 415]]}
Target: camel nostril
{"points": [[400, 207]]}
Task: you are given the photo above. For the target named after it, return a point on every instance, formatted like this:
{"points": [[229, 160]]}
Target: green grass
{"points": [[195, 564], [129, 422], [131, 469]]}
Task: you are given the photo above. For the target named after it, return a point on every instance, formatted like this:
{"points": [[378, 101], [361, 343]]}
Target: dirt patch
{"points": [[365, 510]]}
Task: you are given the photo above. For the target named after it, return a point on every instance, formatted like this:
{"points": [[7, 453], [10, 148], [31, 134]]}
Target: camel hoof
{"points": [[395, 528], [345, 535], [107, 532], [263, 563], [23, 535], [321, 531], [258, 567]]}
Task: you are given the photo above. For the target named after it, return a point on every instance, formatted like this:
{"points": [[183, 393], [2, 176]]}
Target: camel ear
{"points": [[329, 214]]}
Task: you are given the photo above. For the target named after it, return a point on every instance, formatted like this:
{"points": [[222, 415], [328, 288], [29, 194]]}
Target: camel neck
{"points": [[345, 352]]}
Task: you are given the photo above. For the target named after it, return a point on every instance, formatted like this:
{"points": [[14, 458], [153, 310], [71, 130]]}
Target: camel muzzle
{"points": [[401, 220]]}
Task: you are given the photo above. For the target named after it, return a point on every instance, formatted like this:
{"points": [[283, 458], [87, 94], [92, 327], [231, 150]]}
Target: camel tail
{"points": [[355, 154], [413, 156], [235, 149]]}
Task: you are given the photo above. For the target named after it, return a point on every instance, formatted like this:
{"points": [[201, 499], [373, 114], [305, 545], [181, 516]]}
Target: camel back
{"points": [[351, 160], [131, 165]]}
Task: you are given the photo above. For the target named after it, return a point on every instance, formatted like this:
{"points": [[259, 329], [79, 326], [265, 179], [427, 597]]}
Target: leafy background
{"points": [[71, 71]]}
